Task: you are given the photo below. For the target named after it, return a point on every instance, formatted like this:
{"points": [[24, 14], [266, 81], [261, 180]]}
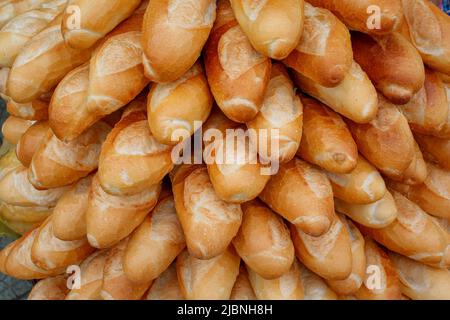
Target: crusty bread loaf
{"points": [[354, 97], [392, 63], [302, 194], [417, 171], [363, 185], [435, 150], [273, 27], [242, 289], [155, 244], [34, 110], [69, 215], [278, 127], [209, 223], [264, 241], [9, 161], [33, 216], [380, 281], [208, 279], [378, 214], [314, 287], [51, 289], [175, 108], [174, 33], [131, 159], [369, 16], [111, 218], [166, 287], [237, 74], [12, 8], [13, 129], [328, 255], [96, 19], [324, 53], [326, 141]]}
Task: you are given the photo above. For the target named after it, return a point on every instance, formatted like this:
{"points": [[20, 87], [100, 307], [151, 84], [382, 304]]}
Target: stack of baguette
{"points": [[103, 96]]}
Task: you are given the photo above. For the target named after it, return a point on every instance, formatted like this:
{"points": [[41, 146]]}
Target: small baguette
{"points": [[51, 289], [435, 150], [36, 110], [12, 8], [242, 289], [315, 288], [30, 141], [14, 128], [166, 287]]}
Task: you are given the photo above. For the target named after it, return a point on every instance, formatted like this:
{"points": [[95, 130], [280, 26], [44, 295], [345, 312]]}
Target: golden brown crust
{"points": [[435, 150], [30, 142], [242, 289], [13, 129], [51, 289], [166, 287]]}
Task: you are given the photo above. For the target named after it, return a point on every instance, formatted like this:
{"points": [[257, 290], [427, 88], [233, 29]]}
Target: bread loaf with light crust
{"points": [[166, 286], [51, 289], [12, 8], [242, 289], [13, 129]]}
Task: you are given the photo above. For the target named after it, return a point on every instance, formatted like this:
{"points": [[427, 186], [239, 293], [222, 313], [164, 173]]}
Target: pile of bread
{"points": [[96, 90]]}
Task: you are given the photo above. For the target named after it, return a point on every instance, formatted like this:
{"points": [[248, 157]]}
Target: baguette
{"points": [[30, 142], [378, 214], [426, 27], [324, 53], [42, 63], [97, 18], [264, 242], [315, 288], [273, 27], [435, 150], [166, 287], [354, 281], [281, 112], [237, 74], [92, 277], [33, 216], [326, 141], [242, 289], [155, 244], [109, 219], [387, 141], [358, 14], [9, 161], [209, 224], [381, 281], [20, 30], [433, 196], [56, 163], [419, 281], [116, 285], [354, 97], [208, 279], [131, 159], [69, 215], [51, 289], [287, 287], [328, 255], [14, 128], [178, 106], [364, 185], [413, 234], [19, 227], [417, 171], [12, 8], [174, 33], [50, 253], [35, 110], [392, 63], [301, 194]]}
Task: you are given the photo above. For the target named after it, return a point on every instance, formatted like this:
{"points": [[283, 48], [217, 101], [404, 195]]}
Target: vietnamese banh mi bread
{"points": [[413, 234], [21, 29], [378, 214], [363, 185], [426, 26], [354, 281], [242, 289], [326, 141], [354, 97], [263, 241], [155, 244], [85, 22], [419, 281], [69, 214], [174, 33], [328, 255], [387, 141], [435, 150], [166, 286], [301, 194], [433, 196], [13, 129], [392, 63], [131, 159], [175, 109], [324, 53], [209, 223], [314, 287], [278, 125], [211, 279], [116, 285], [368, 16], [12, 8], [27, 216], [381, 281], [237, 74], [287, 287], [273, 27], [92, 278], [35, 110], [51, 289], [42, 63], [417, 171]]}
